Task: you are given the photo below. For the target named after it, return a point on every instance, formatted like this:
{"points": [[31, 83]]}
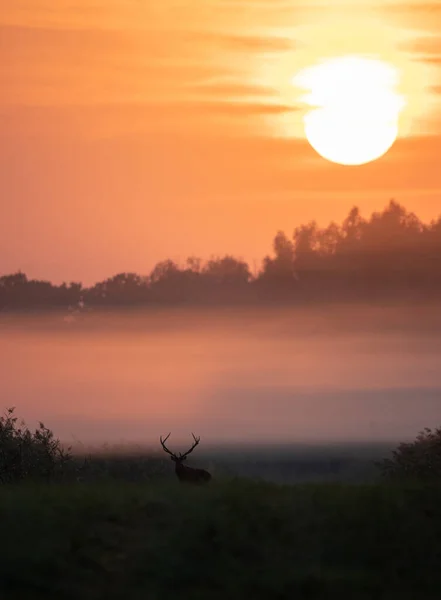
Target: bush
{"points": [[29, 456], [420, 459]]}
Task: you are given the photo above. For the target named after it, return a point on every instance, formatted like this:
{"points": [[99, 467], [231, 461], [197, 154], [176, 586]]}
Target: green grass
{"points": [[231, 540]]}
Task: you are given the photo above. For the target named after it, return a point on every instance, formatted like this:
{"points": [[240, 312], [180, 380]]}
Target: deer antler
{"points": [[196, 442], [164, 447], [183, 473]]}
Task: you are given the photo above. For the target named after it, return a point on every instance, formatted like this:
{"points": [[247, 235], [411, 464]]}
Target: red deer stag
{"points": [[186, 474]]}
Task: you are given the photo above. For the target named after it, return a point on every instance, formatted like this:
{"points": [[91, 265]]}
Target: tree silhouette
{"points": [[390, 254], [420, 459], [123, 288]]}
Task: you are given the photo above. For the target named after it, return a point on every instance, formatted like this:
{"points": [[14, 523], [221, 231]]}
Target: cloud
{"points": [[240, 109], [428, 45], [414, 6], [46, 66], [430, 60], [196, 119], [247, 43], [233, 89]]}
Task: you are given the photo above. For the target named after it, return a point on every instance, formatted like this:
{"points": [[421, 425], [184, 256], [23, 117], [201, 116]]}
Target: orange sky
{"points": [[132, 131]]}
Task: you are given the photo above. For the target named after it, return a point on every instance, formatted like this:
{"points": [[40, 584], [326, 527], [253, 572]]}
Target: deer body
{"points": [[183, 473], [189, 475]]}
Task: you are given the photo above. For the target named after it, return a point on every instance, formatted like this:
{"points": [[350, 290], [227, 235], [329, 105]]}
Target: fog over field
{"points": [[255, 376]]}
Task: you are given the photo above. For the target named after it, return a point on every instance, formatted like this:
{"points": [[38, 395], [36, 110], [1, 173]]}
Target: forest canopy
{"points": [[391, 254]]}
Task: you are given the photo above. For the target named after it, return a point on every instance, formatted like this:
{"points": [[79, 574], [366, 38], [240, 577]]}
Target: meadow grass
{"points": [[232, 539]]}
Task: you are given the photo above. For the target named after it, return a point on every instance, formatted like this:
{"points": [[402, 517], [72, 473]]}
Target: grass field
{"points": [[231, 540]]}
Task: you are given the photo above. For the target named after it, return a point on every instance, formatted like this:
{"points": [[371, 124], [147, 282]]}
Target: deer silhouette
{"points": [[186, 474]]}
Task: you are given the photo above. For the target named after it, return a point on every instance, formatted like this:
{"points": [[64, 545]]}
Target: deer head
{"points": [[186, 474]]}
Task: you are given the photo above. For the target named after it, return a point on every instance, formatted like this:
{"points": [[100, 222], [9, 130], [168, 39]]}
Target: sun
{"points": [[352, 139], [353, 108]]}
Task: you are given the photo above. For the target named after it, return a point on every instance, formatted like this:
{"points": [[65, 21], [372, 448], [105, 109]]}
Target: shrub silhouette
{"points": [[420, 459], [29, 456]]}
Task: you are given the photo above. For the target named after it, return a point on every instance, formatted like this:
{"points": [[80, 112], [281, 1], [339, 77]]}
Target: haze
{"points": [[256, 375]]}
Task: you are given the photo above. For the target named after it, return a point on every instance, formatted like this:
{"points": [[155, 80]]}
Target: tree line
{"points": [[390, 254]]}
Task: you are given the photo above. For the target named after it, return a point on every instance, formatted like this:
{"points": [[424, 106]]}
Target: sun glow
{"points": [[353, 108], [383, 82]]}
